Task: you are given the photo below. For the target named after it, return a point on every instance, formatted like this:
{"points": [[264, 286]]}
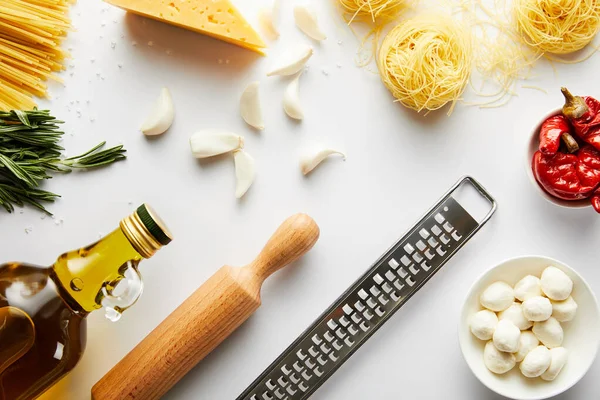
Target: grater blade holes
{"points": [[282, 381], [347, 309], [336, 345], [423, 233], [303, 387], [290, 390], [316, 339], [310, 364], [444, 239], [368, 315], [421, 246], [383, 300], [417, 257], [279, 394], [393, 263], [312, 351], [352, 330], [270, 384], [371, 303], [306, 376], [331, 324], [440, 218], [386, 287], [359, 306], [425, 266], [321, 360], [285, 369], [344, 321], [405, 260], [328, 336], [364, 326], [436, 230], [403, 274], [325, 349], [363, 294], [340, 333], [395, 297], [294, 380], [390, 276], [413, 269], [378, 279], [356, 318], [441, 251], [318, 372], [298, 367], [374, 290], [432, 242], [429, 254], [267, 396], [408, 248], [349, 342], [398, 285], [379, 311], [333, 357], [456, 236], [447, 227], [410, 281], [301, 355]]}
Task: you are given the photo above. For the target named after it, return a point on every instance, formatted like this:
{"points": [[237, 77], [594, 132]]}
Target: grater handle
{"points": [[294, 237]]}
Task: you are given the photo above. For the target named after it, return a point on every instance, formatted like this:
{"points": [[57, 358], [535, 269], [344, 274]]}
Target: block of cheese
{"points": [[216, 18]]}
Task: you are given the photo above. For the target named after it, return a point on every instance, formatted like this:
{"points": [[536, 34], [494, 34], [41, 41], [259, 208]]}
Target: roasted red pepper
{"points": [[570, 176], [584, 115], [552, 131]]}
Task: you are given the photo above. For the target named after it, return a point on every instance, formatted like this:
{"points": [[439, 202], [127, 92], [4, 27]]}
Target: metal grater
{"points": [[307, 363]]}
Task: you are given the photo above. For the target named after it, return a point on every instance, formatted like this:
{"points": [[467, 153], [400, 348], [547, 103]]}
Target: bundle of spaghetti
{"points": [[426, 61], [31, 32], [557, 26]]}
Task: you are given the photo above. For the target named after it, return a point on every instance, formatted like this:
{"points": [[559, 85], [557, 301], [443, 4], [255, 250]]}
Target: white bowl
{"points": [[532, 147], [581, 336]]}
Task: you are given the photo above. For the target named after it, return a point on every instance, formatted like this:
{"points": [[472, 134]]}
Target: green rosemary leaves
{"points": [[29, 152]]}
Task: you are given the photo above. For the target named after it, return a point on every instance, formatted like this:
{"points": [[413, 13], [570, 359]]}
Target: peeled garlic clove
{"points": [[306, 21], [268, 17], [210, 143], [294, 62], [244, 172], [309, 162], [250, 106], [162, 115], [291, 99]]}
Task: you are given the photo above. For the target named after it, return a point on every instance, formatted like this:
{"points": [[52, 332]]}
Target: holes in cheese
{"points": [[216, 18]]}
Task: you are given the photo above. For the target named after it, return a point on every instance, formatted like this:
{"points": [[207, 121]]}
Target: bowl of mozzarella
{"points": [[530, 328]]}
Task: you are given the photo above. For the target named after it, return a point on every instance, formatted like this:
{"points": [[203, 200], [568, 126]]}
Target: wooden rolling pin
{"points": [[204, 319]]}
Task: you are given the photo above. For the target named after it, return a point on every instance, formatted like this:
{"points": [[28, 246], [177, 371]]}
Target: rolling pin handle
{"points": [[294, 237]]}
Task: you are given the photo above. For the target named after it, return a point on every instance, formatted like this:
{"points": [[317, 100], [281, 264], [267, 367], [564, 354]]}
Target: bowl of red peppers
{"points": [[565, 153]]}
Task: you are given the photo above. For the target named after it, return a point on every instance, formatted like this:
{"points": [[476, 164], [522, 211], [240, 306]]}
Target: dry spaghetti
{"points": [[371, 10], [557, 26], [425, 62], [30, 35]]}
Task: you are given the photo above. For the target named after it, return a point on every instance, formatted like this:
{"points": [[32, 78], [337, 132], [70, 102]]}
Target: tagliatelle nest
{"points": [[557, 26], [425, 62]]}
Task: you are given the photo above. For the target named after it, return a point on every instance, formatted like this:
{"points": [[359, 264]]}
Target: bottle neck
{"points": [[86, 274]]}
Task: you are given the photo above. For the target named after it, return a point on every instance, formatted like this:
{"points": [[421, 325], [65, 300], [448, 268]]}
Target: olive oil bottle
{"points": [[43, 310]]}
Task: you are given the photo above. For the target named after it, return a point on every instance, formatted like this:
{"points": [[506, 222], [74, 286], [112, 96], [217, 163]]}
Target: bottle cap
{"points": [[154, 224], [146, 231]]}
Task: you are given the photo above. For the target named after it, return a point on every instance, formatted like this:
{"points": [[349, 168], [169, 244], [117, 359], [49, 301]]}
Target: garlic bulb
{"points": [[250, 108], [244, 172], [210, 143], [293, 62], [162, 115], [268, 17], [306, 21], [310, 161], [291, 99]]}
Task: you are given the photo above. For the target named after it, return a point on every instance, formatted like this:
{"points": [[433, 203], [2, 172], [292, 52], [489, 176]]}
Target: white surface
{"points": [[581, 336], [398, 164]]}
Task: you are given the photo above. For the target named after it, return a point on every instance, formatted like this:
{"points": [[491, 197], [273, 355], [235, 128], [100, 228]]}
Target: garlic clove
{"points": [[209, 143], [162, 115], [250, 108], [293, 62], [291, 99], [306, 21], [244, 172], [310, 161], [268, 17]]}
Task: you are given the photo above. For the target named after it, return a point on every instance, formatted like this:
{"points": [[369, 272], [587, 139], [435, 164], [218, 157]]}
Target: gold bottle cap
{"points": [[146, 231]]}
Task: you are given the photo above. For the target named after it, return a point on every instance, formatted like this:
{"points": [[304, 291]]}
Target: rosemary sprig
{"points": [[29, 152]]}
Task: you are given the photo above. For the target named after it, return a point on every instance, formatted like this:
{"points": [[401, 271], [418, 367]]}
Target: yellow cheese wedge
{"points": [[216, 18]]}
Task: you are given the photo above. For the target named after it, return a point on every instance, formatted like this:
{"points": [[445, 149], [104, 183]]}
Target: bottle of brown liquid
{"points": [[43, 309]]}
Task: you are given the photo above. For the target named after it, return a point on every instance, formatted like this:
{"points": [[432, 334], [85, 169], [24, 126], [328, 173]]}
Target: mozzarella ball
{"points": [[497, 361], [514, 314], [537, 308], [527, 342], [506, 336], [528, 287], [564, 310], [497, 297], [556, 284], [548, 332], [483, 324], [536, 362], [559, 359]]}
